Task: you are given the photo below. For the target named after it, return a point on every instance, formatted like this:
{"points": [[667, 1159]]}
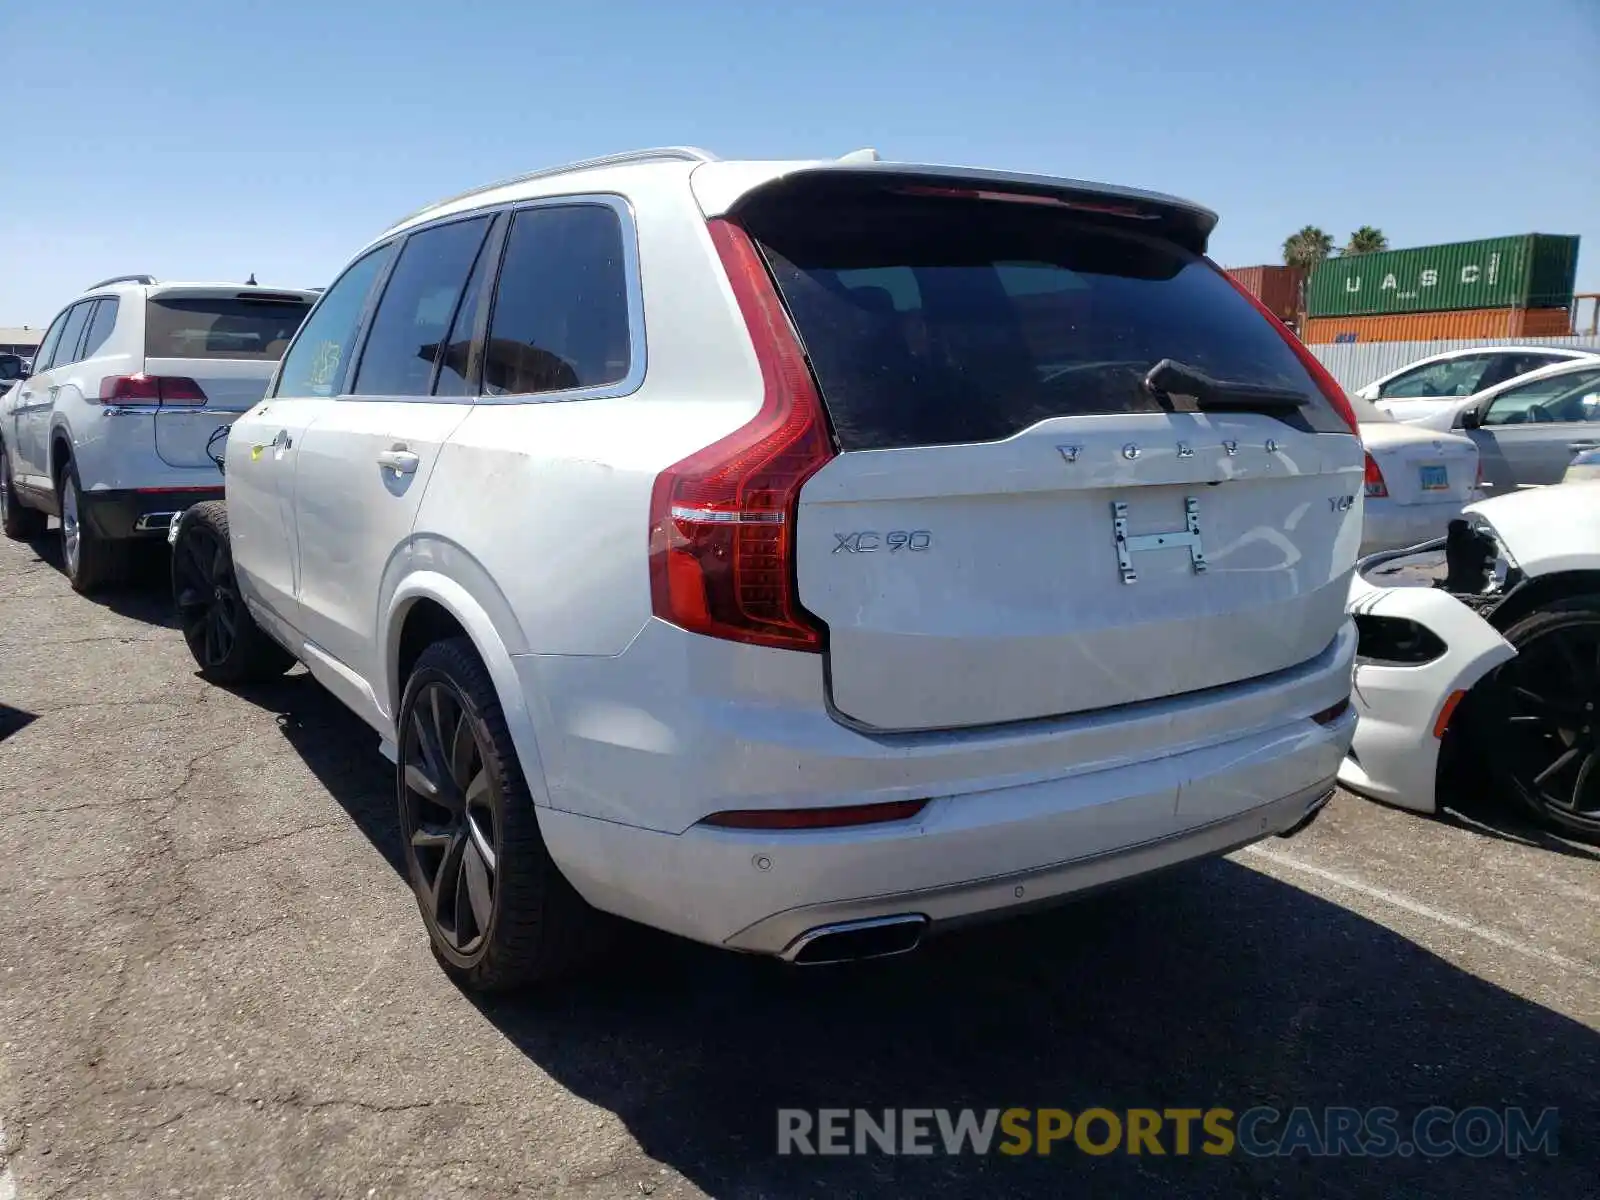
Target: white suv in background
{"points": [[795, 555], [111, 430]]}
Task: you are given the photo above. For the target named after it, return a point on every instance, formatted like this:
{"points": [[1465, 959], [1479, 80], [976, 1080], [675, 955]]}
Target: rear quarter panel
{"points": [[546, 499], [112, 449]]}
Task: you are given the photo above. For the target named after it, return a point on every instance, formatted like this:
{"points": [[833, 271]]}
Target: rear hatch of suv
{"points": [[1026, 517], [227, 342]]}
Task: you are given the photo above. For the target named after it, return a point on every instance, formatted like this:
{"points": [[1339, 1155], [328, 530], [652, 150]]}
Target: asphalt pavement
{"points": [[214, 983]]}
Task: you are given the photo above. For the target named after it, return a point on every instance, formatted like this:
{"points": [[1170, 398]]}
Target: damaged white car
{"points": [[1486, 644]]}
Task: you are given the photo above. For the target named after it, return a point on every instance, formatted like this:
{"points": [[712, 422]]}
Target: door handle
{"points": [[1583, 445], [399, 460], [53, 389], [283, 441]]}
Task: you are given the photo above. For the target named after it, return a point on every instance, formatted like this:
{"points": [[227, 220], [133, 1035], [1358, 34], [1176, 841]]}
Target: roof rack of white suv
{"points": [[144, 279], [659, 154]]}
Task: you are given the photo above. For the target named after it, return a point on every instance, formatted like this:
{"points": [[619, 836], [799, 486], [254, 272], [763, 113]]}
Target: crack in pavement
{"points": [[267, 840]]}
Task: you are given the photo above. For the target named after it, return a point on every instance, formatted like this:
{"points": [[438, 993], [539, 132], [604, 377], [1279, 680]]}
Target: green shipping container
{"points": [[1531, 270]]}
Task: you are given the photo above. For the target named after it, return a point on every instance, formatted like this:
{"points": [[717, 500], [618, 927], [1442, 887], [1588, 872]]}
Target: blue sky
{"points": [[209, 140]]}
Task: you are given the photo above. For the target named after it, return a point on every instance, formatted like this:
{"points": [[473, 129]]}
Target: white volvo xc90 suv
{"points": [[795, 556]]}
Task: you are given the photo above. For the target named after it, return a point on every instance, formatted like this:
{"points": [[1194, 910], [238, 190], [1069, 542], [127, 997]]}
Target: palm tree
{"points": [[1366, 240], [1307, 248]]}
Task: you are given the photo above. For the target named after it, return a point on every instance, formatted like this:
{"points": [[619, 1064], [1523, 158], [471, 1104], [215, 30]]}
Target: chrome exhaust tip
{"points": [[852, 941]]}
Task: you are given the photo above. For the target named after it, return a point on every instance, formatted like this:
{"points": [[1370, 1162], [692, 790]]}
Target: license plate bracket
{"points": [[1434, 477]]}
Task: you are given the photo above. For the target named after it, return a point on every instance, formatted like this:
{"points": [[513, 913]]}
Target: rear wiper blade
{"points": [[1169, 376]]}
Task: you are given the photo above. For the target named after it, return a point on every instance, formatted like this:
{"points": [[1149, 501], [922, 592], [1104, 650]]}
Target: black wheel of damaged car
{"points": [[498, 911], [1544, 713], [223, 637]]}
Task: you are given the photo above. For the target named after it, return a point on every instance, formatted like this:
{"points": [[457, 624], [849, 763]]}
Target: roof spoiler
{"points": [[1178, 220]]}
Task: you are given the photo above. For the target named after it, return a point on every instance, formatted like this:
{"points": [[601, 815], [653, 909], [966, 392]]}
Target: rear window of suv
{"points": [[932, 321], [221, 326]]}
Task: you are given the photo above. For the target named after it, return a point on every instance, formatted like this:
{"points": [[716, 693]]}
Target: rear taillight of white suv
{"points": [[150, 389], [722, 521]]}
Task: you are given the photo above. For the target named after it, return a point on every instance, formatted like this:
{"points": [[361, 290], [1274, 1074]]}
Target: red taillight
{"points": [[816, 818], [150, 389], [1373, 484], [1326, 383], [722, 520]]}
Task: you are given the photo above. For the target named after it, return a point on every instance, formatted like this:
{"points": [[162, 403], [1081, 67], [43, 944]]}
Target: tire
{"points": [[92, 563], [1539, 716], [463, 801], [227, 644], [18, 523]]}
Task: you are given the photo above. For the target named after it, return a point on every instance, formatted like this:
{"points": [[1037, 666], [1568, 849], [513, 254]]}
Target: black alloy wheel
{"points": [[209, 606], [227, 644], [499, 913], [1546, 715], [450, 807]]}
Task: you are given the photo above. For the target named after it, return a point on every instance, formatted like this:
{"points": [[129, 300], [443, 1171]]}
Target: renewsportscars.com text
{"points": [[1260, 1131]]}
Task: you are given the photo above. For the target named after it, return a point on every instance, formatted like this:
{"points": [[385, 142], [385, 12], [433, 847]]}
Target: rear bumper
{"points": [[1390, 526], [964, 858], [1010, 895], [1014, 818], [123, 513]]}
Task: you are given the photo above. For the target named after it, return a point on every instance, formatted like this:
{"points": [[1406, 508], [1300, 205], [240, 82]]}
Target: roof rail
{"points": [[659, 154], [144, 279]]}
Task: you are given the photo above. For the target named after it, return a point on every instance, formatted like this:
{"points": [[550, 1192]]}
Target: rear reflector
{"points": [[1326, 383], [150, 389], [1332, 713], [1449, 710], [1374, 487], [816, 818], [722, 551]]}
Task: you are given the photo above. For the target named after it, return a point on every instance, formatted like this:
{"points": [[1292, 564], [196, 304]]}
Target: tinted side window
{"points": [[560, 317], [1556, 399], [67, 347], [414, 316], [315, 363], [1509, 366], [47, 348], [100, 326], [1453, 377]]}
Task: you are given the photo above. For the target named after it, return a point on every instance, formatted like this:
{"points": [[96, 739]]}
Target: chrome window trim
{"points": [[637, 364]]}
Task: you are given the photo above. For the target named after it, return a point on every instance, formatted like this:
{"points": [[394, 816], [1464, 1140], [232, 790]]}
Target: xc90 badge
{"points": [[870, 541]]}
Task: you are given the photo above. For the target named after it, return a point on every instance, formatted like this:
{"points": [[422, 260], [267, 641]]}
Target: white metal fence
{"points": [[1356, 364]]}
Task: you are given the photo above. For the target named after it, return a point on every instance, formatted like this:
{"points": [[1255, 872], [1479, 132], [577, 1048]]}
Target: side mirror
{"points": [[1471, 419], [11, 368]]}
